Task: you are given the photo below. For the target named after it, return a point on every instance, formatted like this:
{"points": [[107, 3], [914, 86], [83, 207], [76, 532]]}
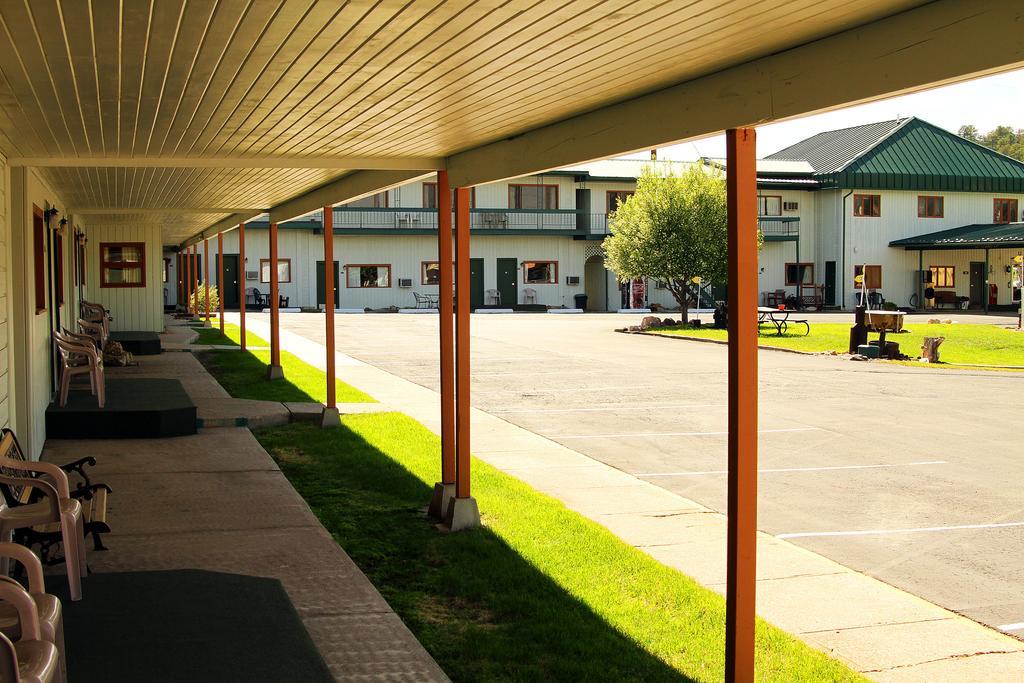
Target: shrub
{"points": [[197, 302]]}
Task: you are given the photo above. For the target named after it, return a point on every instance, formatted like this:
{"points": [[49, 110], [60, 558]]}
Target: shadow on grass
{"points": [[481, 610], [243, 375], [213, 336]]}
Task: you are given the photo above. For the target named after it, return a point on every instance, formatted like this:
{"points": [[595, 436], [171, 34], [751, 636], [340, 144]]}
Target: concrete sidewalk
{"points": [[217, 501], [886, 633]]}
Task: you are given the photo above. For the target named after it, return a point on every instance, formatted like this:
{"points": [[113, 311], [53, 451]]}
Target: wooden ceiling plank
{"points": [[135, 29], [167, 28]]}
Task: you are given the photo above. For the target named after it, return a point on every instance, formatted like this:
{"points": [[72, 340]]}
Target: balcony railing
{"points": [[779, 227], [398, 218]]}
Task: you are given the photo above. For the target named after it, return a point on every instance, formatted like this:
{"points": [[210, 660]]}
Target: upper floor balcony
{"points": [[413, 219], [779, 228]]}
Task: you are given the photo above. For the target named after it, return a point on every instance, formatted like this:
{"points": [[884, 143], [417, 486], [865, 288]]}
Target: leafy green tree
{"points": [[1003, 139], [198, 299], [673, 229]]}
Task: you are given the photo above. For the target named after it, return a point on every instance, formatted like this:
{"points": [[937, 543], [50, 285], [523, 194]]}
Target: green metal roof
{"points": [[907, 154], [978, 236], [833, 149]]}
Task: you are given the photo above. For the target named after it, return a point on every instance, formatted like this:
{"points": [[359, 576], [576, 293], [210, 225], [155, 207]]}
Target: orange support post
{"points": [[462, 510], [241, 279], [220, 277], [179, 276], [191, 278], [330, 416], [741, 562], [445, 489], [274, 370], [195, 276], [186, 265], [206, 278]]}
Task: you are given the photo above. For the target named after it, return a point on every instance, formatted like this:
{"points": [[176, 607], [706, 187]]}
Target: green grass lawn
{"points": [[244, 375], [538, 593], [965, 343], [232, 335]]}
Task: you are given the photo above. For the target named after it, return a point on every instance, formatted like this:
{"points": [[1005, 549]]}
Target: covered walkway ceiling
{"points": [[230, 108]]}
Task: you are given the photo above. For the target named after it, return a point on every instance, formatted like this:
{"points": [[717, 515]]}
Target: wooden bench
{"points": [[948, 297]]}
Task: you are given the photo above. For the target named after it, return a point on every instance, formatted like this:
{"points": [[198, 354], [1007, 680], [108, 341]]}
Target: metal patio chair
{"points": [[424, 300]]}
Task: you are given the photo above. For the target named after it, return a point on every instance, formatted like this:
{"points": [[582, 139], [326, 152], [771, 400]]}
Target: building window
{"points": [[540, 272], [284, 270], [799, 273], [869, 205], [430, 196], [368, 275], [867, 275], [615, 198], [430, 272], [769, 205], [1004, 211], [39, 257], [122, 264], [943, 277], [374, 201], [533, 196], [930, 207]]}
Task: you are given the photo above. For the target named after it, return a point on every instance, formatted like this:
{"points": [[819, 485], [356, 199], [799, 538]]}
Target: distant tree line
{"points": [[1003, 139]]}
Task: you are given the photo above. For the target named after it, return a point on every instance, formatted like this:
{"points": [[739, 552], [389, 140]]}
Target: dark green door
{"points": [[320, 284], [476, 283], [830, 283], [229, 288], [507, 270]]}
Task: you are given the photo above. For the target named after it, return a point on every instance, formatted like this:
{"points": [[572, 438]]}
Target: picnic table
{"points": [[779, 317]]}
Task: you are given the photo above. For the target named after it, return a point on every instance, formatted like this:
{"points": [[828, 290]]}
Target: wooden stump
{"points": [[930, 348]]}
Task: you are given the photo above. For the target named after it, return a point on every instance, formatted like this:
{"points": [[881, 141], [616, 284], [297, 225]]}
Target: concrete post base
{"points": [[275, 372], [463, 513], [443, 493], [207, 323], [330, 417]]}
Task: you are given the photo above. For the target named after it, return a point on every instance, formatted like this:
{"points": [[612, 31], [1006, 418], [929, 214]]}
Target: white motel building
{"points": [[904, 207]]}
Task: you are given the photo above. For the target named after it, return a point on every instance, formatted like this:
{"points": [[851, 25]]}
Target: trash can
{"points": [[581, 301]]}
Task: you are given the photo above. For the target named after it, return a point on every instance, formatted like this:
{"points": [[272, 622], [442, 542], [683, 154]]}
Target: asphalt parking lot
{"points": [[912, 475]]}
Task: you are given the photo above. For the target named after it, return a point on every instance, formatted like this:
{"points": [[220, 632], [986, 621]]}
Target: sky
{"points": [[986, 103]]}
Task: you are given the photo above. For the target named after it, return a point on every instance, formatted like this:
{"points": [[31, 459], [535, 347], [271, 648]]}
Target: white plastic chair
{"points": [[79, 358], [48, 607], [31, 658], [493, 297], [529, 295], [55, 507]]}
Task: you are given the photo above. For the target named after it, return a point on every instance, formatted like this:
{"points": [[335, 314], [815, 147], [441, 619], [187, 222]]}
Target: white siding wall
{"points": [[404, 253], [172, 275], [868, 241], [133, 308]]}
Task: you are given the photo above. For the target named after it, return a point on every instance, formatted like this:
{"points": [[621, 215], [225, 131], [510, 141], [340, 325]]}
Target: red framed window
{"points": [[867, 205], [799, 273], [613, 198], [39, 258], [540, 272], [122, 264], [374, 201], [943, 277], [533, 196], [284, 270], [1004, 210], [769, 205], [871, 276], [930, 207], [430, 196], [430, 272], [368, 275]]}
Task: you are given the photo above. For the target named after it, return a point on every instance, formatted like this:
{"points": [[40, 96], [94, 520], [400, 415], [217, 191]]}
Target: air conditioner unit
{"points": [[572, 280], [252, 275], [926, 277], [790, 206], [405, 282]]}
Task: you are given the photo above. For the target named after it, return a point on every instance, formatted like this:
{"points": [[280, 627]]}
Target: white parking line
{"points": [[617, 436], [1019, 626], [603, 409], [886, 532], [797, 469]]}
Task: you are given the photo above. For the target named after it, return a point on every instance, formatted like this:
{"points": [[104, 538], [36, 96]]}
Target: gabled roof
{"points": [[833, 149], [905, 154], [978, 236]]}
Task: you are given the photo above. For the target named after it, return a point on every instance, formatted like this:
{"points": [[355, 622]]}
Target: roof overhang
{"points": [[980, 236]]}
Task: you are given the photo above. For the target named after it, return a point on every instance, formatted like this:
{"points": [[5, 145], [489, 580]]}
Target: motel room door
{"points": [[977, 284], [830, 283], [229, 288], [507, 283], [476, 283], [320, 284]]}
